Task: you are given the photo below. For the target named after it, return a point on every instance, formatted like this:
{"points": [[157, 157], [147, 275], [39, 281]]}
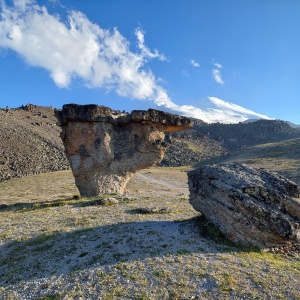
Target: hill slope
{"points": [[206, 141], [30, 141], [282, 157]]}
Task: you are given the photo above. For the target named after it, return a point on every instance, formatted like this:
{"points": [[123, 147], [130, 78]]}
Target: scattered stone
{"points": [[126, 198], [101, 202], [28, 149], [250, 206], [110, 201], [152, 210], [106, 147], [289, 249], [28, 107]]}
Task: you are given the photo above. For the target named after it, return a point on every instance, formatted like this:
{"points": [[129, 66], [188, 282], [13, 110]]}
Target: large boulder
{"points": [[250, 206], [106, 147]]}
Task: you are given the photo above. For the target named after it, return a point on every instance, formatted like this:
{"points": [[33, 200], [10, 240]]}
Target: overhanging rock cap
{"points": [[96, 113]]}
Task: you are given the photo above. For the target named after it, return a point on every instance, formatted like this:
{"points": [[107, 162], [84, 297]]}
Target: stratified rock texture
{"points": [[106, 147], [250, 206]]}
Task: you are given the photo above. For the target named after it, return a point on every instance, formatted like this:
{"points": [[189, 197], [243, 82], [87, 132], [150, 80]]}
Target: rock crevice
{"points": [[250, 206]]}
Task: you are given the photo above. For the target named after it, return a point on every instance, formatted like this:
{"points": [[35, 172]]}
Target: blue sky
{"points": [[175, 55]]}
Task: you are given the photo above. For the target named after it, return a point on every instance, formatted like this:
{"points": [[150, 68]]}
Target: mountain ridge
{"points": [[30, 141], [213, 140]]}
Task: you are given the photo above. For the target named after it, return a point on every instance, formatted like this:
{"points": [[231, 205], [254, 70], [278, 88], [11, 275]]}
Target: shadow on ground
{"points": [[64, 252], [75, 201]]}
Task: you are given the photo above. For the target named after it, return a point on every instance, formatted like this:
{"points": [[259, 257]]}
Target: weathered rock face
{"points": [[250, 206], [105, 147]]}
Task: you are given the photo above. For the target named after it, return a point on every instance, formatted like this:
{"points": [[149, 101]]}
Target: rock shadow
{"points": [[63, 253], [38, 204]]}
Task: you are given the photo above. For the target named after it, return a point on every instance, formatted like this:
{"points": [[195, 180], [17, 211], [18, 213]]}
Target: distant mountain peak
{"points": [[217, 110]]}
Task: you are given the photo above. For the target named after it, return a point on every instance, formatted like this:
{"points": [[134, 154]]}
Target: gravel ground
{"points": [[148, 244]]}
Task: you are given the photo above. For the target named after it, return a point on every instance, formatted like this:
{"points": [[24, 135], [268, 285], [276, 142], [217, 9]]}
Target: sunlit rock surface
{"points": [[106, 147], [250, 206]]}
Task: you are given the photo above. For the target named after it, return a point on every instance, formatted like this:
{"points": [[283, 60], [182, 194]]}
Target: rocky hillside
{"points": [[30, 141], [206, 141], [237, 136]]}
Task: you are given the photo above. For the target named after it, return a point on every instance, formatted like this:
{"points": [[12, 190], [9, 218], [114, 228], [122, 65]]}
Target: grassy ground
{"points": [[149, 244], [281, 157]]}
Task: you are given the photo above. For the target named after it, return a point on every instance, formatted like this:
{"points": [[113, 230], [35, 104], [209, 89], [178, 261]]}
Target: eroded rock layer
{"points": [[250, 206], [106, 147]]}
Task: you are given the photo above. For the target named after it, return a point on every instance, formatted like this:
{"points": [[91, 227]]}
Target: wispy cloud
{"points": [[217, 76], [217, 65], [76, 48], [185, 73], [195, 64], [144, 49], [217, 73]]}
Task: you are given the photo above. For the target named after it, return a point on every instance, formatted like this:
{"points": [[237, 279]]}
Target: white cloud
{"points": [[78, 48], [195, 64], [219, 66], [217, 76], [217, 73], [145, 50]]}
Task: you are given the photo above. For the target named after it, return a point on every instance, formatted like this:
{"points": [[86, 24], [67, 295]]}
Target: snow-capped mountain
{"points": [[209, 110], [213, 110]]}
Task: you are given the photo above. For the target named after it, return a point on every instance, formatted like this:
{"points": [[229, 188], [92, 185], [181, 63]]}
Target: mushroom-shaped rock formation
{"points": [[250, 206], [106, 147]]}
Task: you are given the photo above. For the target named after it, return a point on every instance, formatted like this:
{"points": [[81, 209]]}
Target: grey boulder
{"points": [[253, 207]]}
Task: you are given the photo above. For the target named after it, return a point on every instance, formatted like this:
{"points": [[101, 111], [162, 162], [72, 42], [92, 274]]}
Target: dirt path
{"points": [[159, 181]]}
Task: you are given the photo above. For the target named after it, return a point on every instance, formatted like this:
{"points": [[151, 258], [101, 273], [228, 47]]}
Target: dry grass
{"points": [[281, 157], [55, 247], [42, 187]]}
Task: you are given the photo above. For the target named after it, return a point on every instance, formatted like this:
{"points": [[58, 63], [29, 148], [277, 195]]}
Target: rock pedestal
{"points": [[250, 206], [106, 147]]}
